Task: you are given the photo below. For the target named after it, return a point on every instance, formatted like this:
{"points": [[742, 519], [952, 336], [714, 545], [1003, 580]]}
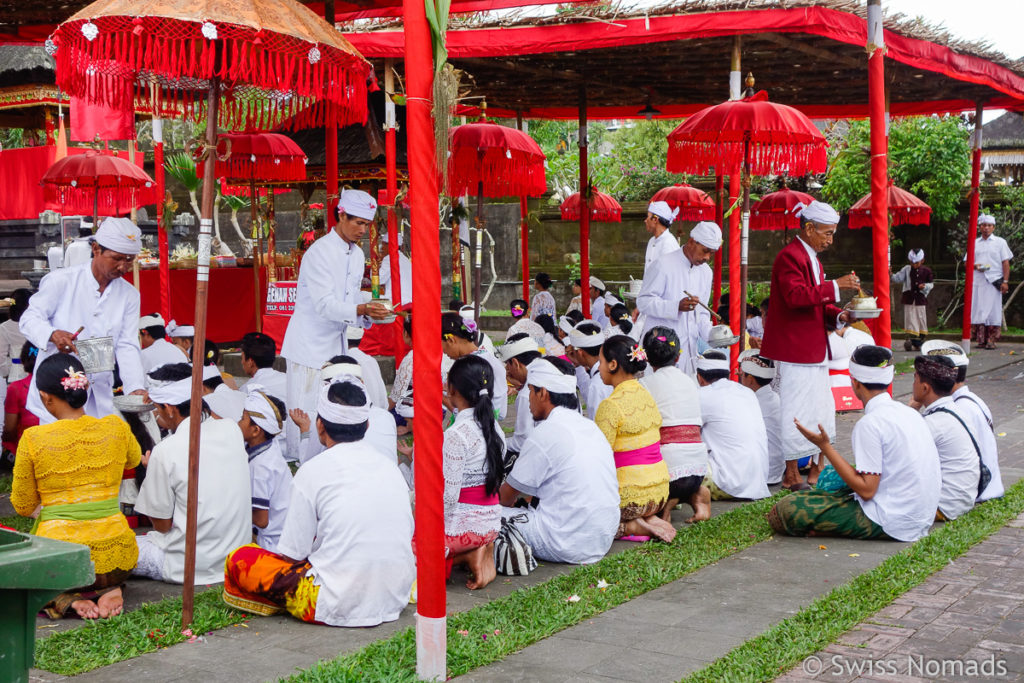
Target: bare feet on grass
{"points": [[657, 527], [480, 563], [701, 504], [86, 609], [111, 604]]}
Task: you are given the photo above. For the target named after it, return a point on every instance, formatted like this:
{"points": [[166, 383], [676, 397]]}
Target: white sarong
{"points": [[805, 393], [987, 304], [303, 384]]}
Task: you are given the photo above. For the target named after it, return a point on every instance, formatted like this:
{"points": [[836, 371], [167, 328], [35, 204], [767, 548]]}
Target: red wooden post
{"points": [[879, 172]]}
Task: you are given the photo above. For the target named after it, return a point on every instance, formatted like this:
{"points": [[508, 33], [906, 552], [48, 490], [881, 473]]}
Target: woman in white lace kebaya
{"points": [[473, 456]]}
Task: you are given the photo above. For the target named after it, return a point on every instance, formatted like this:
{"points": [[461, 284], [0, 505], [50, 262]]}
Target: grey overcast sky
{"points": [[997, 21]]}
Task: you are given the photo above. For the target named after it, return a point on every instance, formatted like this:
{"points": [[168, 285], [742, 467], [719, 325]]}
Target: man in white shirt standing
{"points": [[326, 302], [658, 224], [663, 298], [991, 281], [566, 467], [896, 480], [733, 431], [756, 374], [959, 454], [156, 350], [224, 512], [93, 298], [335, 564]]}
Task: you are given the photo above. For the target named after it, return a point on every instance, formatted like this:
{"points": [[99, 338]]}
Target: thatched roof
{"points": [[1006, 132], [356, 144], [24, 65]]}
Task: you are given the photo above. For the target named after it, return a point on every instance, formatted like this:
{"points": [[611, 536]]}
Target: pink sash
{"points": [[680, 434], [648, 455], [477, 495]]}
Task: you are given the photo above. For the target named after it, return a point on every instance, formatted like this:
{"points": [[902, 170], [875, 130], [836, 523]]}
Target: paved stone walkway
{"points": [[660, 636], [965, 622]]}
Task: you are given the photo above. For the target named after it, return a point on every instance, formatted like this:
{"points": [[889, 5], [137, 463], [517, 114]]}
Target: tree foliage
{"points": [[929, 156]]}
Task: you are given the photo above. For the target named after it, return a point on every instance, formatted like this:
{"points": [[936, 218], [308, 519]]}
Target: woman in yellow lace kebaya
{"points": [[73, 468], [631, 422]]}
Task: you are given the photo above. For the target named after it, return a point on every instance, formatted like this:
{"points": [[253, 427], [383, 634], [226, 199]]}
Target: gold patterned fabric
{"points": [[79, 461], [630, 420]]}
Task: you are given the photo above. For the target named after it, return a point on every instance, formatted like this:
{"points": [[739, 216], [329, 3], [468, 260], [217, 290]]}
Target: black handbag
{"points": [[986, 474]]}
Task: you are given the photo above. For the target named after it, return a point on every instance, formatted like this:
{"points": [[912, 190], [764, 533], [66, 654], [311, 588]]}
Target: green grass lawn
{"points": [[5, 482]]}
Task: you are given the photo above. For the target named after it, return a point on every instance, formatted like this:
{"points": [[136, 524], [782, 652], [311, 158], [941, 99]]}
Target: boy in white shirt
{"points": [[518, 352], [271, 480], [756, 374]]}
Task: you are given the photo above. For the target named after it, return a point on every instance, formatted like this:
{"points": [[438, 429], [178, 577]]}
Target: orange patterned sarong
{"points": [[265, 583]]}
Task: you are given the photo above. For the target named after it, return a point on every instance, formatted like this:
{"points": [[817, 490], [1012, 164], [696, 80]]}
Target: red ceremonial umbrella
{"points": [[603, 207], [244, 159], [904, 209], [766, 138], [98, 180], [492, 161], [777, 210], [245, 65], [693, 204]]}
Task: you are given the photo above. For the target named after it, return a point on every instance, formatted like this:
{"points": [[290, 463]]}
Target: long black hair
{"points": [[20, 305], [623, 350], [454, 324], [29, 354], [52, 372], [661, 344], [547, 324], [473, 379]]}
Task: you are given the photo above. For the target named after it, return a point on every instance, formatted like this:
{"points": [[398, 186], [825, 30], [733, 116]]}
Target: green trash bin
{"points": [[33, 570]]}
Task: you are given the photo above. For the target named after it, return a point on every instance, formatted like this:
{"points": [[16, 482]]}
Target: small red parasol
{"points": [[492, 161], [777, 210], [603, 208], [761, 136], [495, 161], [904, 209], [693, 204], [105, 183]]}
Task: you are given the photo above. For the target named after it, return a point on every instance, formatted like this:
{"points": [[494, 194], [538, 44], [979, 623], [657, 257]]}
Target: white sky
{"points": [[997, 21]]}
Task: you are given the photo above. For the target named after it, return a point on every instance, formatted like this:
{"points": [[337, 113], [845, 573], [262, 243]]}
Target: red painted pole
{"points": [[879, 172], [426, 282], [716, 281], [584, 211], [737, 306], [972, 229]]}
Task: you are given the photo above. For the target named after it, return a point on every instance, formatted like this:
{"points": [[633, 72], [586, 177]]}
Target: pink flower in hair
{"points": [[638, 354], [75, 379]]}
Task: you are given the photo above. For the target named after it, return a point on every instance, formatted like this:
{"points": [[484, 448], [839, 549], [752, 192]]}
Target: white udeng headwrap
{"points": [[752, 367], [565, 325], [120, 235], [597, 282], [357, 204], [708, 234], [662, 210], [611, 299], [915, 255], [153, 319], [263, 413], [210, 371], [510, 350], [865, 374], [336, 370], [712, 363], [338, 414], [176, 330], [986, 219], [172, 393], [226, 403], [819, 212], [543, 375], [582, 340], [941, 347]]}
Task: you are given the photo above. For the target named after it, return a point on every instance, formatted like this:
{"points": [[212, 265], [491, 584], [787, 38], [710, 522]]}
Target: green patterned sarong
{"points": [[826, 513]]}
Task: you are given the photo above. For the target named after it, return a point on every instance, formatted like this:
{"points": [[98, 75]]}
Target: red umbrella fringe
{"points": [[696, 213], [915, 216], [176, 55], [789, 158], [501, 176], [774, 220], [572, 213], [239, 169], [79, 200]]}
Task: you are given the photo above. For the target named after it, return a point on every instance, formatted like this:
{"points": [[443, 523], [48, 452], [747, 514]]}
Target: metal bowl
{"points": [[133, 403], [96, 354], [864, 313]]}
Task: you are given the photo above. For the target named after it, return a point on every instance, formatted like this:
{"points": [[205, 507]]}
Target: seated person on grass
{"points": [[382, 433], [586, 340], [520, 311], [224, 510], [376, 390], [565, 472], [269, 475], [733, 431], [518, 352], [959, 454], [756, 374], [336, 564], [892, 490]]}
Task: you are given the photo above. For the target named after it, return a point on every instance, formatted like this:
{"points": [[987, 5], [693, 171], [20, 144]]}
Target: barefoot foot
{"points": [[701, 504], [86, 609], [659, 528], [111, 604], [481, 565]]}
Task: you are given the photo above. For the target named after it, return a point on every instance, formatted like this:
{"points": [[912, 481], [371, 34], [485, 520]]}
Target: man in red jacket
{"points": [[802, 304]]}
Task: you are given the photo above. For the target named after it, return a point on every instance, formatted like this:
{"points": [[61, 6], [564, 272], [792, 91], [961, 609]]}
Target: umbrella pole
{"points": [[199, 351], [524, 229], [584, 214], [972, 228], [456, 261], [271, 237], [879, 172], [331, 139], [716, 279], [744, 240], [478, 249], [162, 237], [431, 622], [95, 208], [255, 260], [735, 247]]}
